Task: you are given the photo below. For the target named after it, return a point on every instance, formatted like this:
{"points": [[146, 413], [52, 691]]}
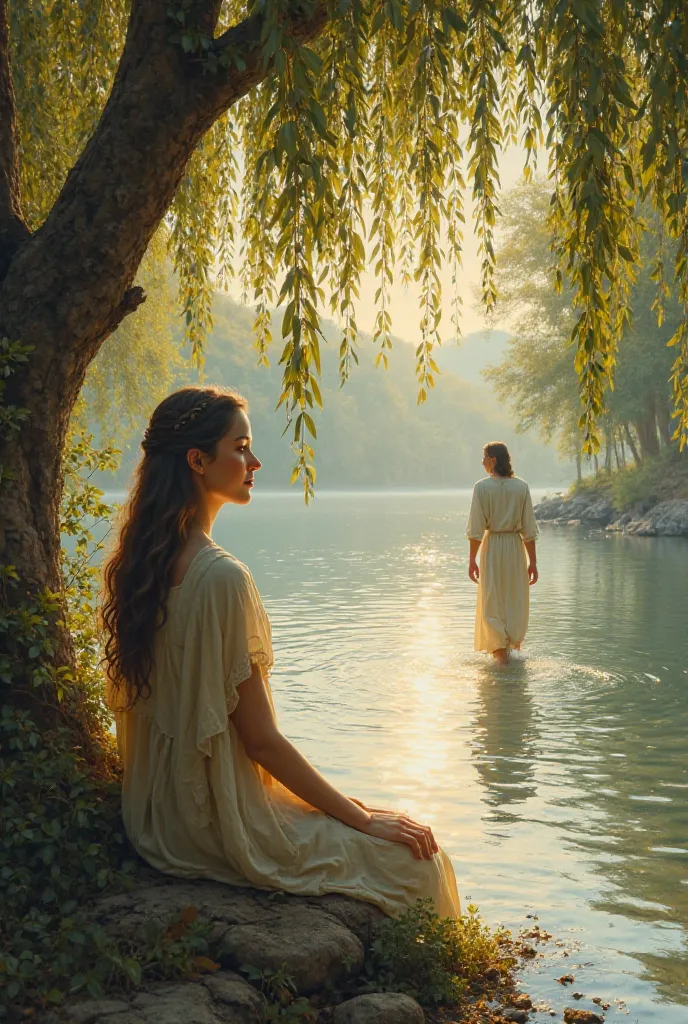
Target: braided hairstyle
{"points": [[154, 524], [499, 451]]}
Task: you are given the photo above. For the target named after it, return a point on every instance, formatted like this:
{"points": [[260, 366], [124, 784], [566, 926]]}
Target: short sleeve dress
{"points": [[502, 517], [196, 806]]}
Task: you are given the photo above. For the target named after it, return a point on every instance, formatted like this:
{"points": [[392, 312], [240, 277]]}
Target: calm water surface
{"points": [[559, 785]]}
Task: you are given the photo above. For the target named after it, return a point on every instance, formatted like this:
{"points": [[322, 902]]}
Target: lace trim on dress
{"points": [[242, 670]]}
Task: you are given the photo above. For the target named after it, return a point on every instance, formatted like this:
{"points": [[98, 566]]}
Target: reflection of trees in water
{"points": [[643, 809], [504, 743], [668, 974], [634, 726], [624, 740]]}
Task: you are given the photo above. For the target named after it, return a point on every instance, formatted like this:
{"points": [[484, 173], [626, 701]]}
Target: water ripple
{"points": [[558, 784]]}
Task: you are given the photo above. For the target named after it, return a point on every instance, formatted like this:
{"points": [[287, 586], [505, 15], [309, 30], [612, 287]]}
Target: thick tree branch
{"points": [[307, 20], [131, 300], [13, 229], [71, 278], [203, 16]]}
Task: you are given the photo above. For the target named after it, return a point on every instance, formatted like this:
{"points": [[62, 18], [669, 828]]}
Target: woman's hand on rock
{"points": [[398, 828], [473, 570]]}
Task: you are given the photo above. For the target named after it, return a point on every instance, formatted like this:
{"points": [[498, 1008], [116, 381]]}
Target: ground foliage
{"points": [[438, 961], [61, 838], [363, 145], [662, 479], [60, 826]]}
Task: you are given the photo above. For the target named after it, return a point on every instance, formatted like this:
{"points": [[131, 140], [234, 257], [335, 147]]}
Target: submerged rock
{"points": [[515, 1015], [522, 1001], [572, 1016]]}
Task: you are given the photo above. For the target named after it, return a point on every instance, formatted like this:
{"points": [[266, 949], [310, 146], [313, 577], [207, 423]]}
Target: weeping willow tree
{"points": [[293, 143]]}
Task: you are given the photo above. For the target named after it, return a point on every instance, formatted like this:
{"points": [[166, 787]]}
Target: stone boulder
{"points": [[644, 519], [588, 509], [223, 998], [666, 519], [575, 1016], [318, 941], [550, 507], [314, 949], [379, 1008]]}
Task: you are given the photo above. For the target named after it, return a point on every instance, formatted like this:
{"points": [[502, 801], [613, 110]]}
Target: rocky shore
{"points": [[318, 943], [270, 956], [644, 519]]}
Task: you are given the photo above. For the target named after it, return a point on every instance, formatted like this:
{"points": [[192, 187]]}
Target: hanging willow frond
{"points": [[348, 152]]}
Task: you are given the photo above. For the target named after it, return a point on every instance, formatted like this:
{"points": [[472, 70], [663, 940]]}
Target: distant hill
{"points": [[472, 354], [372, 434]]}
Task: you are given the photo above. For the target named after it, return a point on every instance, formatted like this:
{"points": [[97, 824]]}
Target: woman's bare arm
{"points": [[255, 723], [473, 570], [532, 561]]}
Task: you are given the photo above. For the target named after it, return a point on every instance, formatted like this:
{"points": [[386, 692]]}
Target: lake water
{"points": [[558, 785]]}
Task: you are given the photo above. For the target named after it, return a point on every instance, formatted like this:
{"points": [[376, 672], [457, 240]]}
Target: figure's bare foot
{"points": [[501, 655]]}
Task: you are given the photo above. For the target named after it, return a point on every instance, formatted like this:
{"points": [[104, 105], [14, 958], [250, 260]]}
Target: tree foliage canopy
{"points": [[535, 374], [362, 145]]}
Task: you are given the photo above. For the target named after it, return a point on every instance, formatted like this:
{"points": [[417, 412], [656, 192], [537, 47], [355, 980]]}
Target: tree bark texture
{"points": [[632, 445], [664, 423], [68, 286], [646, 428]]}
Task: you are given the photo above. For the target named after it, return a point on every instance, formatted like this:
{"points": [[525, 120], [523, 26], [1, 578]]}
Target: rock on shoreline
{"points": [[319, 942], [644, 519]]}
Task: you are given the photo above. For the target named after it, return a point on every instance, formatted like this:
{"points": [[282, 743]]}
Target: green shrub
{"points": [[656, 480], [659, 479], [599, 483], [436, 960], [61, 838]]}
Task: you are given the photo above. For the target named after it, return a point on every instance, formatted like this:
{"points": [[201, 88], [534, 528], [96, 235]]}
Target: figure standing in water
{"points": [[501, 525], [212, 788]]}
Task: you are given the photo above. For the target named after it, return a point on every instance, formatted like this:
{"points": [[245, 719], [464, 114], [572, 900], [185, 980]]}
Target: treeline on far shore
{"points": [[536, 376]]}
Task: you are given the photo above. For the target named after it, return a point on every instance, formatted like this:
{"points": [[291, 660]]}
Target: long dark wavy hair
{"points": [[154, 524], [499, 451]]}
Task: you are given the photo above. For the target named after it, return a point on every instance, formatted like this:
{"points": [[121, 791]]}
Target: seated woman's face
{"points": [[230, 474]]}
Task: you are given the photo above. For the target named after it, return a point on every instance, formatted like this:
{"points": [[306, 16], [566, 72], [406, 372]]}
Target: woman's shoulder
{"points": [[520, 482], [224, 569]]}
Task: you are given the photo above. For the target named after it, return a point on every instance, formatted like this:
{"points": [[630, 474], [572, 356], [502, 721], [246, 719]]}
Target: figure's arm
{"points": [[475, 531], [529, 532], [254, 720], [532, 561], [473, 570]]}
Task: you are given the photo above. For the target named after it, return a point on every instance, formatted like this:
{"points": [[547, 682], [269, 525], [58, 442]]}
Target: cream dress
{"points": [[502, 517], [194, 804]]}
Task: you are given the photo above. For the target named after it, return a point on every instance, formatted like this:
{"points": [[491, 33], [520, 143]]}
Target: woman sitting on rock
{"points": [[212, 789], [501, 524]]}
